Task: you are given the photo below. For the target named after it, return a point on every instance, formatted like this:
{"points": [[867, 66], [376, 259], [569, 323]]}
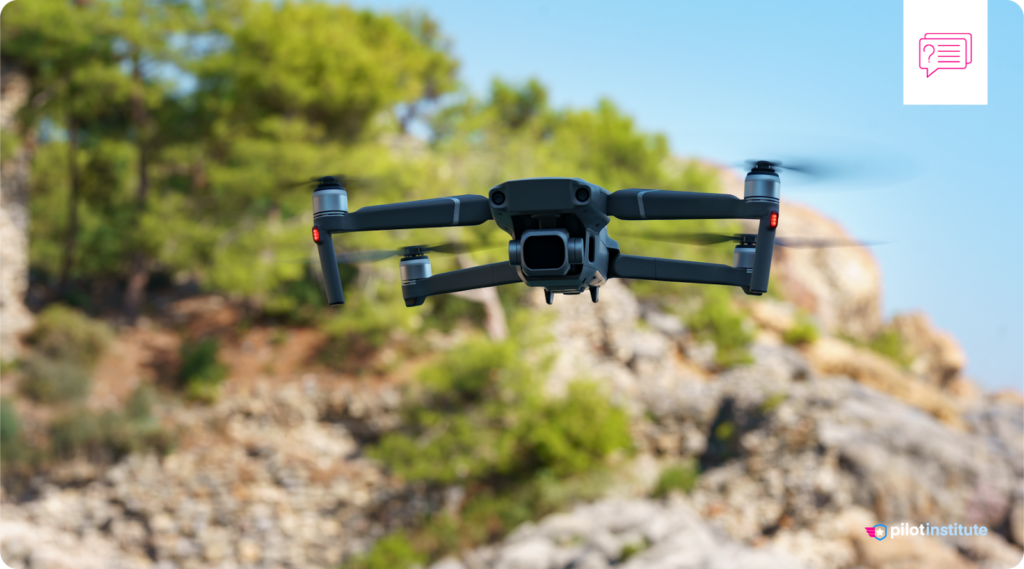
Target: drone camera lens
{"points": [[498, 198], [583, 194]]}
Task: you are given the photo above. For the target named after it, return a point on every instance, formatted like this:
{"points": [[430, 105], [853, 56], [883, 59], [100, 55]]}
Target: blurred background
{"points": [[176, 393]]}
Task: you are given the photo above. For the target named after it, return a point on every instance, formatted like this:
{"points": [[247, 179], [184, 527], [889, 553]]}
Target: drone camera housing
{"points": [[546, 252]]}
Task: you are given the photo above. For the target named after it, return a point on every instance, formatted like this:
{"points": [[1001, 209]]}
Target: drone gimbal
{"points": [[559, 229]]}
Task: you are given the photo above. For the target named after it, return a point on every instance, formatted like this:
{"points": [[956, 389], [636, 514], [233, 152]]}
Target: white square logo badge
{"points": [[945, 52]]}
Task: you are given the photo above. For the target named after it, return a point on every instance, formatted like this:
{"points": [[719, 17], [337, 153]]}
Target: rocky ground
{"points": [[800, 451]]}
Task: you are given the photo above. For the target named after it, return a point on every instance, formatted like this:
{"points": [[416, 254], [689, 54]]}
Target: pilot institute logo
{"points": [[877, 533]]}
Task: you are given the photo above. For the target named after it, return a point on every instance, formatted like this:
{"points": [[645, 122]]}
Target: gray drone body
{"points": [[559, 231]]}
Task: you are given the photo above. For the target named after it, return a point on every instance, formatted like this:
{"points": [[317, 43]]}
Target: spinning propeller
{"points": [[341, 180], [450, 248], [695, 238]]}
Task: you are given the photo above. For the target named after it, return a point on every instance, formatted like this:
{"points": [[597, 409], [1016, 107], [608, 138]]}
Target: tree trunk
{"points": [[139, 275], [494, 319], [71, 237], [15, 317]]}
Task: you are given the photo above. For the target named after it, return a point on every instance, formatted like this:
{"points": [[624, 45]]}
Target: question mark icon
{"points": [[930, 54]]}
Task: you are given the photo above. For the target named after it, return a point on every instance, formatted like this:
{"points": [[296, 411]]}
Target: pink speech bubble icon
{"points": [[943, 51]]}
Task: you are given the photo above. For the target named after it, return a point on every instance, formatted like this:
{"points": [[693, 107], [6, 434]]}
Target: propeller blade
{"points": [[815, 168], [687, 238], [819, 243], [354, 257], [450, 248], [343, 179], [457, 247]]}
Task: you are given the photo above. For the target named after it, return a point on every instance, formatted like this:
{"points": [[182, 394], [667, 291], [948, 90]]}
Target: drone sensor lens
{"points": [[498, 198], [773, 220], [316, 234], [583, 194]]}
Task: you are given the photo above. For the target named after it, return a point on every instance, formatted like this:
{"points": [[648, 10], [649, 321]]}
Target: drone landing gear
{"points": [[549, 296], [593, 294]]}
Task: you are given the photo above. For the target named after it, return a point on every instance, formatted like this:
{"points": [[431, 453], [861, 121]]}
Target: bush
{"points": [[478, 417], [482, 414], [802, 332], [201, 373], [890, 344], [66, 334], [680, 477], [574, 434], [66, 346], [48, 380], [394, 551], [110, 435], [12, 444], [718, 321]]}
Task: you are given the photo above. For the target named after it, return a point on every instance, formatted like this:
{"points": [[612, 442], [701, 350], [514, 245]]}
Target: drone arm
{"points": [[329, 266], [763, 256], [654, 269], [438, 212], [664, 204], [483, 276]]}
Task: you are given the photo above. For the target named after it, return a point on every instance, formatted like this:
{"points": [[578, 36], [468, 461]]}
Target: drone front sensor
{"points": [[559, 231]]}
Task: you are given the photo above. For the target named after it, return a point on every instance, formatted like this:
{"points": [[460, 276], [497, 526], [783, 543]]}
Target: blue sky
{"points": [[731, 80]]}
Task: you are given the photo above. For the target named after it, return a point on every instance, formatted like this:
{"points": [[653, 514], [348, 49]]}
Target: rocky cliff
{"points": [[15, 319], [799, 450]]}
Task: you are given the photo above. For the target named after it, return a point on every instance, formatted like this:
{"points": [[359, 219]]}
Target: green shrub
{"points": [[679, 477], [201, 373], [483, 414], [890, 344], [802, 332], [772, 402], [575, 433], [393, 551], [66, 346], [478, 417], [631, 549], [110, 435], [13, 449], [66, 334], [718, 321], [48, 380]]}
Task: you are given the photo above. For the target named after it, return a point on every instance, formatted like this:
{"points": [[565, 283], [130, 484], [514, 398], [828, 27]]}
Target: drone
{"points": [[559, 230]]}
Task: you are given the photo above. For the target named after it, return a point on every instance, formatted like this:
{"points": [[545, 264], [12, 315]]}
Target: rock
{"points": [[533, 553], [829, 356], [935, 355], [15, 90], [841, 286], [1016, 521], [448, 563], [666, 535]]}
